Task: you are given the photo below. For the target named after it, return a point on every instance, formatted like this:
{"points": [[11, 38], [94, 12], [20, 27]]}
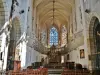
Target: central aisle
{"points": [[54, 71], [54, 74]]}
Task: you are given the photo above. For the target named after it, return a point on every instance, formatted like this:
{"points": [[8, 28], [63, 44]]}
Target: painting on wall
{"points": [[82, 54]]}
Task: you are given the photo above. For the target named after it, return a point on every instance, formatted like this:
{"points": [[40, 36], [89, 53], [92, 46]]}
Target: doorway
{"points": [[94, 38]]}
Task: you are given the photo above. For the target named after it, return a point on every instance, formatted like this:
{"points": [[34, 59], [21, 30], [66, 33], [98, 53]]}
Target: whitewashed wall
{"points": [[74, 56], [23, 5], [31, 54]]}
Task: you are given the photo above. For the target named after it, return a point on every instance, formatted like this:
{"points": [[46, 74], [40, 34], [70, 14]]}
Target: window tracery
{"points": [[53, 36], [43, 37], [64, 35]]}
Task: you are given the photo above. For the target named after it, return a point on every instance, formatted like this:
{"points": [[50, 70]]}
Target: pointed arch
{"points": [[64, 35], [94, 41], [53, 36]]}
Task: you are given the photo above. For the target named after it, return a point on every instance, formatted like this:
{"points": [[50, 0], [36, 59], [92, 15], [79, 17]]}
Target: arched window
{"points": [[43, 37], [64, 35], [53, 36]]}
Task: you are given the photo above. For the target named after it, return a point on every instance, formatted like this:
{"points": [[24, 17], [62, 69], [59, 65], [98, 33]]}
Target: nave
{"points": [[51, 66], [49, 37]]}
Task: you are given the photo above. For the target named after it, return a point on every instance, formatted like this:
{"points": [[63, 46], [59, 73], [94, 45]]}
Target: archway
{"points": [[15, 35], [94, 37], [43, 37], [63, 36]]}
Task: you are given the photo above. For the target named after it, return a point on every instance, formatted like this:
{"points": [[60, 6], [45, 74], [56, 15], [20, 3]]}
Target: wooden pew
{"points": [[41, 71], [75, 72]]}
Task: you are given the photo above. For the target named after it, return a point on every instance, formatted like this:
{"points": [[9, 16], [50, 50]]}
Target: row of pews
{"points": [[72, 68], [40, 71], [44, 71], [34, 69], [73, 65], [75, 72]]}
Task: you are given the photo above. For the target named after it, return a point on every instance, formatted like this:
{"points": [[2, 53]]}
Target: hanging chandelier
{"points": [[53, 11]]}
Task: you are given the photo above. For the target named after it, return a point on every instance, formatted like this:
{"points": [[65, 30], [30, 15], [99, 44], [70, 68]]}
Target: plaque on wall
{"points": [[82, 54]]}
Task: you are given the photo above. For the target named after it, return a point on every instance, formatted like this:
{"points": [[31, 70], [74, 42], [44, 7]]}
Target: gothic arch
{"points": [[92, 41], [50, 34], [55, 25], [91, 36], [63, 35], [49, 27]]}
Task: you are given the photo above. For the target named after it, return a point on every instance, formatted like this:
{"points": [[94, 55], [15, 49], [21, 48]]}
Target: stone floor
{"points": [[55, 71], [54, 74]]}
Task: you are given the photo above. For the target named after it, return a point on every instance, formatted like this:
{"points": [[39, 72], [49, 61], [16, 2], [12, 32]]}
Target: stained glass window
{"points": [[53, 36], [43, 37], [64, 35]]}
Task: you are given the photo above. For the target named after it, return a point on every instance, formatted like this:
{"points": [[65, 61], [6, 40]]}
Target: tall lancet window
{"points": [[53, 36], [64, 35], [43, 37]]}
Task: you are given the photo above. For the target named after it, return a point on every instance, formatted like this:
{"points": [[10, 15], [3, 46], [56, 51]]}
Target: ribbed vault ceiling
{"points": [[62, 11]]}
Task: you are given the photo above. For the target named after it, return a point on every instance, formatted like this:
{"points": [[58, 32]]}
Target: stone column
{"points": [[84, 33]]}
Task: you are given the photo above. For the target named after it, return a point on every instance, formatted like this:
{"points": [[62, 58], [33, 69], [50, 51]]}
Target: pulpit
{"points": [[17, 65]]}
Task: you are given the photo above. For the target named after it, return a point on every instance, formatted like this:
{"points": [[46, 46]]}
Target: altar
{"points": [[54, 58]]}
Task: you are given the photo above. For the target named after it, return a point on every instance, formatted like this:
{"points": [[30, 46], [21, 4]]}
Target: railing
{"points": [[75, 72], [38, 46]]}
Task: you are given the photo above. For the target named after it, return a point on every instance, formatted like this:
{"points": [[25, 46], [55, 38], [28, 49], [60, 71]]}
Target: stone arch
{"points": [[55, 25], [49, 27], [63, 32], [91, 36], [89, 17], [43, 37], [53, 35], [92, 40], [2, 14]]}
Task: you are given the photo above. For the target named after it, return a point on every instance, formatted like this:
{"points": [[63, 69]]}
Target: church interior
{"points": [[49, 37]]}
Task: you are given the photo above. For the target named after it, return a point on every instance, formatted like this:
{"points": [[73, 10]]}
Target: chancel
{"points": [[49, 37]]}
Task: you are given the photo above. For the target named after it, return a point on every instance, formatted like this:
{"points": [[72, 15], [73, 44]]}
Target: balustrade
{"points": [[38, 46]]}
